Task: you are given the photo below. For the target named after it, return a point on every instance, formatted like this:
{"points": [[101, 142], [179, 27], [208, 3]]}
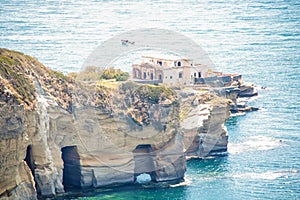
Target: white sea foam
{"points": [[266, 175], [254, 143], [184, 183], [269, 175], [237, 114]]}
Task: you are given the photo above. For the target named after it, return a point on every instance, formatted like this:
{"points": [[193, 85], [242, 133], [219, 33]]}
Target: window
{"points": [[180, 75], [145, 75], [179, 64], [160, 77], [171, 77], [159, 62], [195, 74], [199, 74]]}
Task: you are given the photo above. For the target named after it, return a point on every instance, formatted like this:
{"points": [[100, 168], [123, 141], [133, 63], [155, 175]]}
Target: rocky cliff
{"points": [[57, 134], [203, 115]]}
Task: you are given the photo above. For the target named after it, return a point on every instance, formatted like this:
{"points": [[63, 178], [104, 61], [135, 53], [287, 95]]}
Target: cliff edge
{"points": [[57, 134]]}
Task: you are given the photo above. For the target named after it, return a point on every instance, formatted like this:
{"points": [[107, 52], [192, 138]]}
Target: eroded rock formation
{"points": [[202, 118], [56, 135]]}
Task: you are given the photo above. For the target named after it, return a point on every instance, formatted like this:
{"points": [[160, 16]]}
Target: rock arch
{"points": [[144, 161]]}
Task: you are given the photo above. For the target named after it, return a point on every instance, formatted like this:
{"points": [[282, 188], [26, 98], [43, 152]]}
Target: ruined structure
{"points": [[170, 71], [177, 71]]}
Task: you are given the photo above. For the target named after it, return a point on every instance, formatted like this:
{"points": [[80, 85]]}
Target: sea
{"points": [[259, 39]]}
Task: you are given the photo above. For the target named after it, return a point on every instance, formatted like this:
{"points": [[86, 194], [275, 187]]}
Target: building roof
{"points": [[185, 67], [166, 57]]}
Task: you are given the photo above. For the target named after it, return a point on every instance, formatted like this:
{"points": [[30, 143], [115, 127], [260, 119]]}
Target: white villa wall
{"points": [[171, 75], [170, 70]]}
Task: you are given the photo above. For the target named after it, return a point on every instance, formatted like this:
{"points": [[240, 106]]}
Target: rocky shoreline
{"points": [[57, 134]]}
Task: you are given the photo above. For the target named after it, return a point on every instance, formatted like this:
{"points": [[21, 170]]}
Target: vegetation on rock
{"points": [[93, 73], [155, 94], [185, 109], [14, 80], [144, 97], [105, 89], [19, 75], [112, 73]]}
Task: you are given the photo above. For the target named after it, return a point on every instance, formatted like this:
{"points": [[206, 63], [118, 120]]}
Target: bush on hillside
{"points": [[93, 73]]}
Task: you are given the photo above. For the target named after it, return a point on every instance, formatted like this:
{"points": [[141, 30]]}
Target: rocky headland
{"points": [[57, 133]]}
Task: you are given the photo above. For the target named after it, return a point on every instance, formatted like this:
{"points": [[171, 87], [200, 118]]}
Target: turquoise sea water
{"points": [[257, 38]]}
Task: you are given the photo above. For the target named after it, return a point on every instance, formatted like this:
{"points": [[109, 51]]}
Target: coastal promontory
{"points": [[58, 133]]}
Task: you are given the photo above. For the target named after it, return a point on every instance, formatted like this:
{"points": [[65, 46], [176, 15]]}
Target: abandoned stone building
{"points": [[171, 70], [178, 71]]}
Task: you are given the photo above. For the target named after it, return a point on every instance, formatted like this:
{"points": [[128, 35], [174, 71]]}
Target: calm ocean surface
{"points": [[257, 38]]}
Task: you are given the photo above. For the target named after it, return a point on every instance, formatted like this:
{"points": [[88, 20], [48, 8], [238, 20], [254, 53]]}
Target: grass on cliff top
{"points": [[155, 93], [112, 83], [16, 81], [94, 74], [18, 72], [58, 74], [7, 60]]}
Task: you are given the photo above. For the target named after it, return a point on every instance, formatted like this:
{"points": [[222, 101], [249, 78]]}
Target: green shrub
{"points": [[129, 85], [155, 93], [112, 73], [93, 73]]}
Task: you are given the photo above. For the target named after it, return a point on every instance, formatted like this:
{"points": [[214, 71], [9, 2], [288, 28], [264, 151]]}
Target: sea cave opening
{"points": [[29, 159], [72, 169], [30, 163], [144, 169]]}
